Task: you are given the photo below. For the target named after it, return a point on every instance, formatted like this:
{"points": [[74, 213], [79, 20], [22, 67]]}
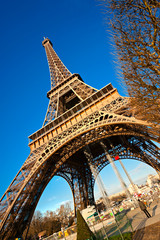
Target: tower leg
{"points": [[83, 190], [97, 177]]}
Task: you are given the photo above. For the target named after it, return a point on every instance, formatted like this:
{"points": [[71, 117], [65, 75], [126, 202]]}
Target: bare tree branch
{"points": [[136, 30]]}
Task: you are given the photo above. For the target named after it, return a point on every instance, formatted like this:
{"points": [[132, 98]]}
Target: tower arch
{"points": [[77, 116]]}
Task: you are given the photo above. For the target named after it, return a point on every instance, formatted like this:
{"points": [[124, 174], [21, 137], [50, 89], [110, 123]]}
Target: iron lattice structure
{"points": [[77, 116]]}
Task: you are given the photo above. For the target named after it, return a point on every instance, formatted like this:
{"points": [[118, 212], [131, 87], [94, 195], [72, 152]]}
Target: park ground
{"points": [[143, 228]]}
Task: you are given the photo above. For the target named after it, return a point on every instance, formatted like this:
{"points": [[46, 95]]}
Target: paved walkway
{"points": [[146, 228], [151, 232]]}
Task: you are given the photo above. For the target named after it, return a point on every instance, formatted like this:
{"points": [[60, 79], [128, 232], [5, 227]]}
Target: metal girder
{"points": [[64, 153], [89, 116], [64, 90], [58, 72]]}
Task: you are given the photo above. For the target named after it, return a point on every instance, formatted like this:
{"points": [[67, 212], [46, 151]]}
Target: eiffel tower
{"points": [[79, 118]]}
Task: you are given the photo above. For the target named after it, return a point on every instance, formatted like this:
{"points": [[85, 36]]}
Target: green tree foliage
{"points": [[136, 32], [83, 231]]}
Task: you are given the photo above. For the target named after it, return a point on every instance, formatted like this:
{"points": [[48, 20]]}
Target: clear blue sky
{"points": [[79, 35]]}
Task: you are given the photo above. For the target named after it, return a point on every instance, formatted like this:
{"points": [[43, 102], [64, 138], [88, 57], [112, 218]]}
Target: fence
{"points": [[118, 224], [66, 234]]}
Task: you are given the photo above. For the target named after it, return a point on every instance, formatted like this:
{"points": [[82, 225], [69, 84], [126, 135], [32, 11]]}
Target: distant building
{"points": [[152, 179], [133, 189], [144, 189], [152, 182]]}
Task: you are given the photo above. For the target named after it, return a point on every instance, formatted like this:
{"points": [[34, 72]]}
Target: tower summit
{"points": [[58, 72], [67, 90]]}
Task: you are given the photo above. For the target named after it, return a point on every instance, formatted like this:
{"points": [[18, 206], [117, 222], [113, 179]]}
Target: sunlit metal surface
{"points": [[77, 116]]}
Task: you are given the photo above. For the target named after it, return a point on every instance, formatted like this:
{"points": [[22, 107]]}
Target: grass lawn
{"points": [[126, 236]]}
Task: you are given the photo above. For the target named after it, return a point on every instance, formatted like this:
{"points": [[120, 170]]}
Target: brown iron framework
{"points": [[77, 116]]}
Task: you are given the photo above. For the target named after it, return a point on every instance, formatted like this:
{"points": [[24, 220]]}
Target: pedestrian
{"points": [[143, 208]]}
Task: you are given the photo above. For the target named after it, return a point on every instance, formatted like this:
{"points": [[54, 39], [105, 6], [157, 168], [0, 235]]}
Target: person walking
{"points": [[143, 208]]}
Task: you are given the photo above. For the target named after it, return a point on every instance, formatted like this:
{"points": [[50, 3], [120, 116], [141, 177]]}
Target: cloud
{"points": [[51, 199], [136, 170], [58, 179]]}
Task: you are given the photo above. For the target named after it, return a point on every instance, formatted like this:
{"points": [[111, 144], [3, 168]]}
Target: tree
{"points": [[63, 213], [136, 32], [119, 197], [100, 207], [83, 231], [49, 223], [36, 226]]}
